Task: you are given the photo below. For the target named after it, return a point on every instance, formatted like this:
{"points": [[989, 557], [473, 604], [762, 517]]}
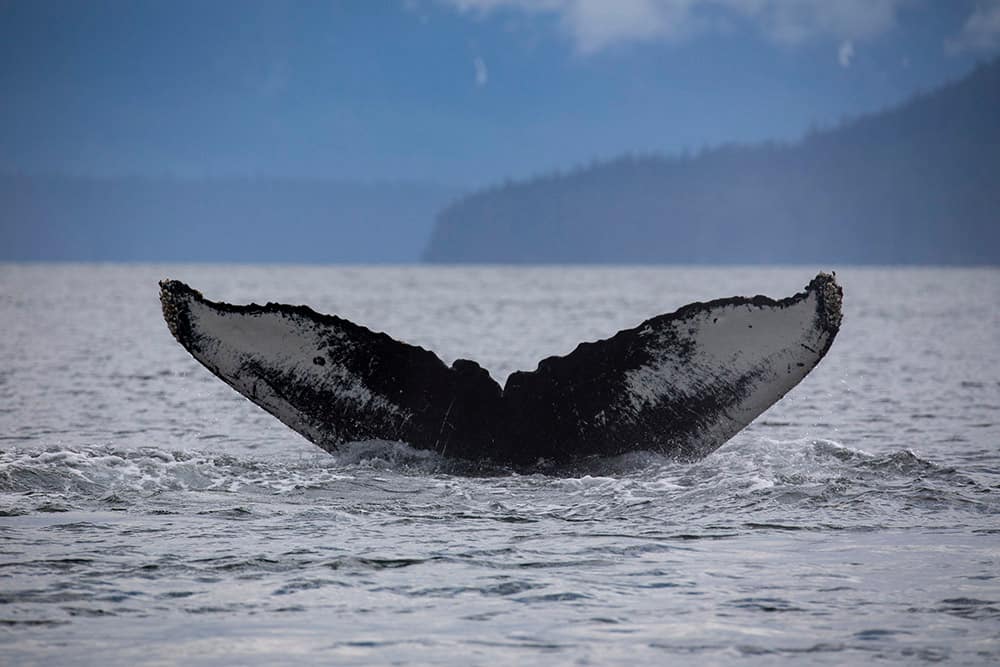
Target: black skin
{"points": [[460, 411]]}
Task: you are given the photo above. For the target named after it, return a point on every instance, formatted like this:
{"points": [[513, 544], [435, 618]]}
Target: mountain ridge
{"points": [[915, 184]]}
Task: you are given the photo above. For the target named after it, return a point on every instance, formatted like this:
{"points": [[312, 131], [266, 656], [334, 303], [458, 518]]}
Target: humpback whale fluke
{"points": [[681, 384]]}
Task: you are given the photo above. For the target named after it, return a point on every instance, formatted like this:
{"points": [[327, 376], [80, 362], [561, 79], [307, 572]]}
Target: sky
{"points": [[463, 93]]}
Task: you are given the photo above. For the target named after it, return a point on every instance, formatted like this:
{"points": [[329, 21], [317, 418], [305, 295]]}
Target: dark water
{"points": [[148, 514]]}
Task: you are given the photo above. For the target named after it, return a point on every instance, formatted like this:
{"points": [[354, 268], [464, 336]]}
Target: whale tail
{"points": [[681, 383]]}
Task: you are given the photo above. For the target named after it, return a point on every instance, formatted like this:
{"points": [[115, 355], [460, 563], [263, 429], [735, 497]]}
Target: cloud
{"points": [[594, 25], [790, 22], [981, 31], [482, 74], [846, 53]]}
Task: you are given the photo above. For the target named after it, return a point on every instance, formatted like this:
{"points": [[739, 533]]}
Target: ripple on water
{"points": [[148, 513]]}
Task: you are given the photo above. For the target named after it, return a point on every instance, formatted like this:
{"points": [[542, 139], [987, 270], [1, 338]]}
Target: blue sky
{"points": [[459, 92]]}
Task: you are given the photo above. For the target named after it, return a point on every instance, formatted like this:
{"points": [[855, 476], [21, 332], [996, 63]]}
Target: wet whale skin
{"points": [[681, 383]]}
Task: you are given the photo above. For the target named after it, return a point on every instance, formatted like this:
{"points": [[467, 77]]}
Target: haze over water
{"points": [[150, 514]]}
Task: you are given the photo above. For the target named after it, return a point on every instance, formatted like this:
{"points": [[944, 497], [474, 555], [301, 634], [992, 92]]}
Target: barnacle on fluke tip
{"points": [[681, 384]]}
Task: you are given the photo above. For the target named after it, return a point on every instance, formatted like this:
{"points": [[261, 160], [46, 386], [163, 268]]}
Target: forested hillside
{"points": [[916, 184]]}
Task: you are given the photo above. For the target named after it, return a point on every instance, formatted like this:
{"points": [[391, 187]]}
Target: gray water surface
{"points": [[149, 514]]}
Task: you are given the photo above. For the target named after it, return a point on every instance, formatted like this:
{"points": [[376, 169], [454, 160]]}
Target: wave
{"points": [[769, 482], [101, 470]]}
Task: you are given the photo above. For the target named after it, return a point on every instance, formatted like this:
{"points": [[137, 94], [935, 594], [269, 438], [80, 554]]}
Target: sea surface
{"points": [[151, 515]]}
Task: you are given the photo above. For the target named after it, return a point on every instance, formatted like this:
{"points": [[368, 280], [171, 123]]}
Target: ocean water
{"points": [[151, 515]]}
